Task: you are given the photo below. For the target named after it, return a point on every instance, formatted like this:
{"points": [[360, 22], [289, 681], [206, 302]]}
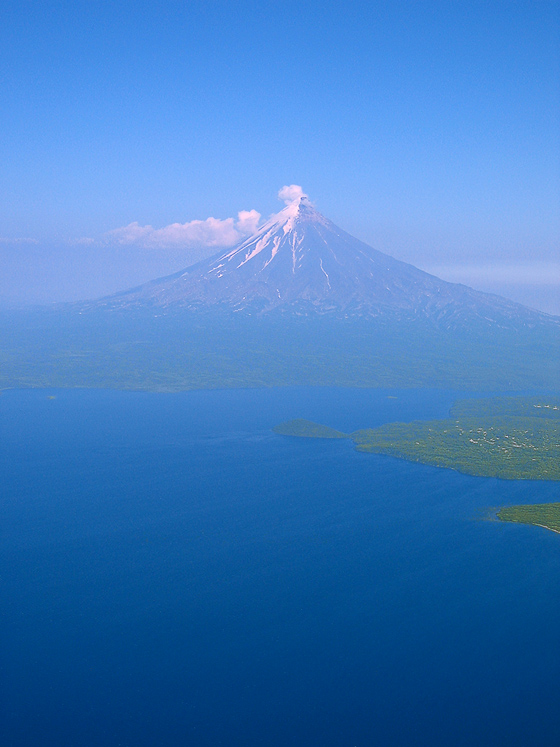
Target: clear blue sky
{"points": [[429, 129]]}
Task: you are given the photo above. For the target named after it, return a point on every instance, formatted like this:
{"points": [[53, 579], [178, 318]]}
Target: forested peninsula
{"points": [[546, 515], [513, 438]]}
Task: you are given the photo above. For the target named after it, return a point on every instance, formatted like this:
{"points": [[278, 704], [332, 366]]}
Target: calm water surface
{"points": [[173, 573]]}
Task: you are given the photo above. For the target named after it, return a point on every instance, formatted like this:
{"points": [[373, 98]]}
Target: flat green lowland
{"points": [[511, 448], [545, 515], [525, 407], [307, 429], [153, 349], [495, 437]]}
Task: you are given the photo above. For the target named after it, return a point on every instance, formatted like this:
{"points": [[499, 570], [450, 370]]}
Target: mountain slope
{"points": [[300, 262], [299, 303]]}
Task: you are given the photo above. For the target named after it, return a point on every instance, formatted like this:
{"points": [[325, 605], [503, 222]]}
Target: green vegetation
{"points": [[307, 429], [545, 515], [510, 448], [486, 444], [523, 407], [174, 350]]}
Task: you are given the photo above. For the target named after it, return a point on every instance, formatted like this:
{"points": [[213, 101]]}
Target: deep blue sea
{"points": [[172, 574]]}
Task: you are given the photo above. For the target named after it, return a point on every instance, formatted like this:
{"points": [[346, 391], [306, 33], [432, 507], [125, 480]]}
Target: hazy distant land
{"points": [[513, 438], [298, 303], [178, 350]]}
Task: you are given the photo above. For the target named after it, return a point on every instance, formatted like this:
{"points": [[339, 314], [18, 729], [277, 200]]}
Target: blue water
{"points": [[173, 573]]}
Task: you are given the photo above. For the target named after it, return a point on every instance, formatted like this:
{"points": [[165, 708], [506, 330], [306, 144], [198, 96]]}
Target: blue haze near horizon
{"points": [[174, 573], [427, 129]]}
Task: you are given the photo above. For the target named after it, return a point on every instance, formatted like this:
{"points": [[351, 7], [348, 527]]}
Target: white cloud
{"points": [[22, 240], [194, 234], [290, 192], [248, 221], [211, 232]]}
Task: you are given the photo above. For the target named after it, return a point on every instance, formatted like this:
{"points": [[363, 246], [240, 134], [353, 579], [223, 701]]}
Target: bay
{"points": [[174, 573]]}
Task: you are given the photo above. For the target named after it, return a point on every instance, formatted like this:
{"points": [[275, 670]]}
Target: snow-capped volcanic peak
{"points": [[279, 229], [298, 210], [299, 261]]}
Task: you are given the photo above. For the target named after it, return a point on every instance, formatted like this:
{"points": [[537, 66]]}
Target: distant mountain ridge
{"points": [[301, 263]]}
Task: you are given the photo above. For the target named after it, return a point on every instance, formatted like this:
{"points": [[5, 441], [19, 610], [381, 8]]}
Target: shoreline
{"points": [[550, 529]]}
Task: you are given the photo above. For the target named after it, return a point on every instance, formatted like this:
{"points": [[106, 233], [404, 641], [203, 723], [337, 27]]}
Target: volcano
{"points": [[301, 263], [298, 303]]}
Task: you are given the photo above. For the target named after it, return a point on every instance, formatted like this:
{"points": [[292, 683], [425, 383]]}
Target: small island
{"points": [[307, 429], [513, 438]]}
